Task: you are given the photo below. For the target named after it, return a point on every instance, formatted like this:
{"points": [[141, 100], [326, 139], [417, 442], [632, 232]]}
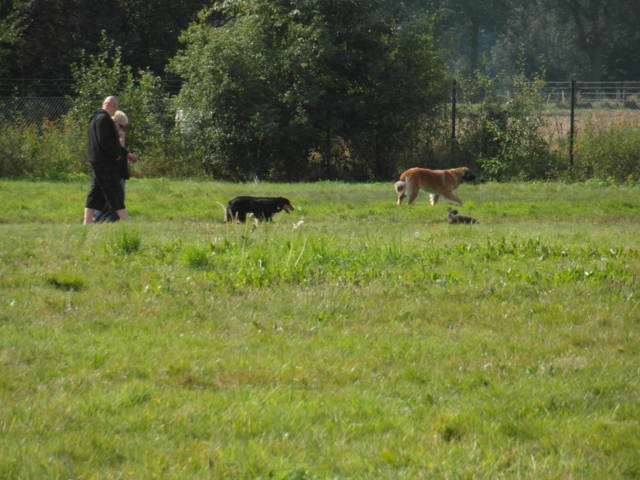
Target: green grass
{"points": [[348, 339]]}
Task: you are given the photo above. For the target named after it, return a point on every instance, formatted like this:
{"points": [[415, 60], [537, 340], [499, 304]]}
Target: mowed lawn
{"points": [[350, 339]]}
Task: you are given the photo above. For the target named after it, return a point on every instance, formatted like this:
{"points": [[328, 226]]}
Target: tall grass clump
{"points": [[124, 241], [194, 256], [609, 153]]}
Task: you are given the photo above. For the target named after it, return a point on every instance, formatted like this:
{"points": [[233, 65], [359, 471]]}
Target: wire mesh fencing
{"points": [[34, 110], [567, 107]]}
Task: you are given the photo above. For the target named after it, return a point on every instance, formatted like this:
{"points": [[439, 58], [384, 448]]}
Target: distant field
{"points": [[558, 121], [349, 339]]}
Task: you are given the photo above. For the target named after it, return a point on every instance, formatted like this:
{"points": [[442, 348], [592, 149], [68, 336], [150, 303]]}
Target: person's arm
{"points": [[121, 135], [108, 139]]}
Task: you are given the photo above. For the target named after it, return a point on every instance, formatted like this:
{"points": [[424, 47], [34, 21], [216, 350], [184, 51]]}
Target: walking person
{"points": [[105, 214], [105, 156]]}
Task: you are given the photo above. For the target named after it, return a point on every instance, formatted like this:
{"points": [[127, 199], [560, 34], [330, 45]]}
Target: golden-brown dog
{"points": [[435, 182]]}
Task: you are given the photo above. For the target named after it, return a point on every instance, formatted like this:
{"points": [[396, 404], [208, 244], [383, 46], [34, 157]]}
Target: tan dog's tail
{"points": [[400, 187]]}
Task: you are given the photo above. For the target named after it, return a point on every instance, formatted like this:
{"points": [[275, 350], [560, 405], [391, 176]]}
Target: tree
{"points": [[468, 28], [150, 132], [150, 29], [594, 22], [598, 33], [534, 42], [273, 84], [42, 38], [585, 39], [13, 22]]}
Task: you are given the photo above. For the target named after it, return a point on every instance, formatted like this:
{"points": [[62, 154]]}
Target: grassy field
{"points": [[558, 121], [349, 339]]}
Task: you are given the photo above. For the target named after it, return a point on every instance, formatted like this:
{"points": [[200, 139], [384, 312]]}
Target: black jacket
{"points": [[105, 152]]}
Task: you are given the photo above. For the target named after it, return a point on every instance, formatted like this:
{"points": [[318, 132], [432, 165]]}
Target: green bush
{"points": [[329, 90], [151, 133], [514, 144], [16, 148], [610, 153], [51, 150], [58, 149]]}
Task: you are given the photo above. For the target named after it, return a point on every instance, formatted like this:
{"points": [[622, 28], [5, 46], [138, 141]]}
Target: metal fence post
{"points": [[453, 116], [572, 120]]}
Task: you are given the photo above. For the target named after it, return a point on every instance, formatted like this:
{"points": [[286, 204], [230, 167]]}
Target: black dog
{"points": [[455, 218], [263, 208]]}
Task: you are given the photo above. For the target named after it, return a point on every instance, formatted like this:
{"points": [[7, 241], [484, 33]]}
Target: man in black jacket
{"points": [[105, 153]]}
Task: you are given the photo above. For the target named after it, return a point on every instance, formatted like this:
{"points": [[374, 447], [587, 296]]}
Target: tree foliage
{"points": [[42, 38], [516, 134], [588, 39], [282, 89], [147, 105]]}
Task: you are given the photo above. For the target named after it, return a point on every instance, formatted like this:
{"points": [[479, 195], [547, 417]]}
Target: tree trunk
{"points": [[475, 45], [593, 23], [596, 60]]}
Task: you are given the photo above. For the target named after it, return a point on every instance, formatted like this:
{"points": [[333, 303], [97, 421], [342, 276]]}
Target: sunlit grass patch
{"points": [[63, 281]]}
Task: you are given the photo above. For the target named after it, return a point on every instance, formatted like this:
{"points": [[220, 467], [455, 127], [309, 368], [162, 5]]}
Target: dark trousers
{"points": [[106, 192]]}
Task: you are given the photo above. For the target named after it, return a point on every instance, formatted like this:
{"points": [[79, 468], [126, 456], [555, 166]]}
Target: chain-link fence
{"points": [[34, 110], [34, 100]]}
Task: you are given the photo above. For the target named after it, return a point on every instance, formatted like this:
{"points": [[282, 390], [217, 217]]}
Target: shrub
{"points": [[50, 150], [16, 145], [517, 148], [610, 153], [151, 133]]}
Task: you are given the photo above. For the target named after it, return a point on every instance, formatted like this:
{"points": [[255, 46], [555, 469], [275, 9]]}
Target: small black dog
{"points": [[455, 218], [263, 208]]}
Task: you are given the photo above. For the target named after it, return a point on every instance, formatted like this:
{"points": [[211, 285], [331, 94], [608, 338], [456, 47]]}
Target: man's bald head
{"points": [[110, 104]]}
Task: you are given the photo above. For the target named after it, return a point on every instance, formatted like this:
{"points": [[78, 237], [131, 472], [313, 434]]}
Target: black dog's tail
{"points": [[226, 212]]}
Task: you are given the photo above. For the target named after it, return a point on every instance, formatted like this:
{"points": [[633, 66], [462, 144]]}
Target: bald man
{"points": [[104, 153]]}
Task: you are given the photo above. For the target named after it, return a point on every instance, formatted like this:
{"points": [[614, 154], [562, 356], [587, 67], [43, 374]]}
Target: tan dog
{"points": [[435, 182]]}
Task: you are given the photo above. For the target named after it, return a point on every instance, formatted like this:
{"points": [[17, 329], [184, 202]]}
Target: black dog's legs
{"points": [[233, 216]]}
